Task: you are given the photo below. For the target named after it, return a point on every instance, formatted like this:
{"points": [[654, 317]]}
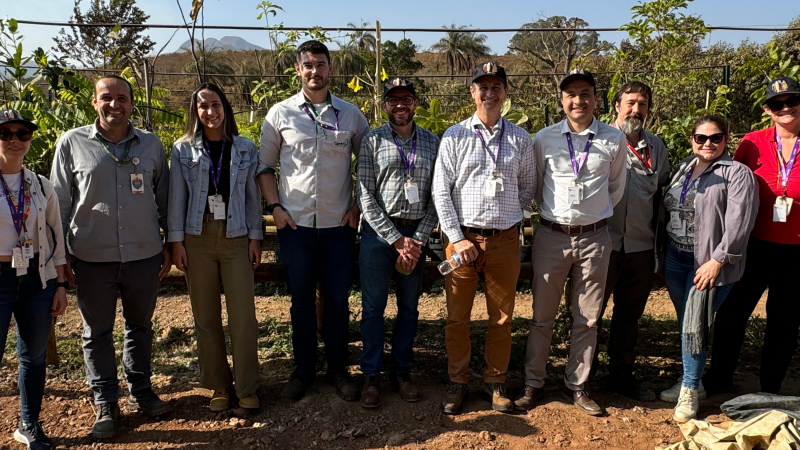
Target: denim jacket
{"points": [[188, 190]]}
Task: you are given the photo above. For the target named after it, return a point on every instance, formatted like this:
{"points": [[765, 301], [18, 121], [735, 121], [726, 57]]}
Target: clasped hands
{"points": [[410, 250]]}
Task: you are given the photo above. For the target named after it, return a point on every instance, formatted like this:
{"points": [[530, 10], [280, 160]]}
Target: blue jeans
{"points": [[679, 275], [324, 255], [30, 304], [377, 259]]}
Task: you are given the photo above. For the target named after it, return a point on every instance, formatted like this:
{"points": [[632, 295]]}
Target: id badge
{"points": [[18, 261], [219, 210], [491, 187], [137, 183], [27, 249], [575, 193], [675, 220], [412, 192], [780, 210]]}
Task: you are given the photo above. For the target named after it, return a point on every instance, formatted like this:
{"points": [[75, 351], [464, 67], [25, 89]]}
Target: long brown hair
{"points": [[193, 124]]}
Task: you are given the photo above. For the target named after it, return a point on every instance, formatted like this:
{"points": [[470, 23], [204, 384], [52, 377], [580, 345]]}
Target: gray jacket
{"points": [[725, 212]]}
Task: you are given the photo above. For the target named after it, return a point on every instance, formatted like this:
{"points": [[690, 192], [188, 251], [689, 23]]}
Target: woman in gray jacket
{"points": [[710, 207], [214, 223]]}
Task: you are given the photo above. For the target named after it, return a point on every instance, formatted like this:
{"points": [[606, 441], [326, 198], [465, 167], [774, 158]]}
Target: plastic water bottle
{"points": [[450, 265]]}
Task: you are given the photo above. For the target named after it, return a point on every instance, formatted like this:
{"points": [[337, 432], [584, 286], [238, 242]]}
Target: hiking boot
{"points": [[32, 435], [371, 392], [530, 395], [629, 386], [249, 402], [496, 393], [296, 387], [688, 404], [408, 390], [672, 394], [146, 401], [106, 424], [343, 384], [456, 394], [220, 400]]}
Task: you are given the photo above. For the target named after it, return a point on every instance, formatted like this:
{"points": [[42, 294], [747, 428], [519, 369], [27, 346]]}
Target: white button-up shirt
{"points": [[602, 175], [315, 185]]}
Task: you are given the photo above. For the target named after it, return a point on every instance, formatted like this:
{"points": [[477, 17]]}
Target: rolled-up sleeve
{"points": [[740, 216]]}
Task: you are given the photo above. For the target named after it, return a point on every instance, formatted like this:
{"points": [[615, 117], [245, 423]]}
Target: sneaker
{"points": [[672, 394], [296, 387], [106, 424], [220, 400], [496, 394], [343, 384], [249, 402], [146, 401], [688, 405], [33, 436], [456, 394]]}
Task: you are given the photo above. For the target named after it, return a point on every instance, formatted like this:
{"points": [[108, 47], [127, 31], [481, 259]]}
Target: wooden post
{"points": [[378, 81]]}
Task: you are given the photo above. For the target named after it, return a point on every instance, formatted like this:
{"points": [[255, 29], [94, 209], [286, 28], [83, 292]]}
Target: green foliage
{"points": [[777, 64], [433, 119], [461, 49]]}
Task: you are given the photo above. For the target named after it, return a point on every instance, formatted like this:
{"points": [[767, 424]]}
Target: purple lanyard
{"points": [[786, 167], [578, 164], [407, 160], [688, 183], [215, 174], [499, 143], [335, 127], [17, 212]]}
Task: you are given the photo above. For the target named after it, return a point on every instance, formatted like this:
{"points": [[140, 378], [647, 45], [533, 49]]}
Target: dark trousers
{"points": [[30, 304], [99, 286], [324, 256], [773, 266], [630, 278]]}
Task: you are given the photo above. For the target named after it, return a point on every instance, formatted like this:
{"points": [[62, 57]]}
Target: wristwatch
{"points": [[272, 207], [64, 284]]}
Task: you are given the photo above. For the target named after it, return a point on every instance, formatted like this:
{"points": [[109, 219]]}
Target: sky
{"points": [[409, 14]]}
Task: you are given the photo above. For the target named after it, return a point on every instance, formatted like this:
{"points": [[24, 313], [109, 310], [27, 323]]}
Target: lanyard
{"points": [[408, 161], [215, 174], [784, 166], [645, 159], [125, 158], [688, 182], [19, 210], [499, 143], [577, 165], [335, 127]]}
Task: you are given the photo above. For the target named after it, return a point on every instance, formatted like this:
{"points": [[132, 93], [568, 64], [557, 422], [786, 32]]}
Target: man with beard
{"points": [[112, 224], [632, 229], [581, 177], [395, 173], [311, 137], [485, 174]]}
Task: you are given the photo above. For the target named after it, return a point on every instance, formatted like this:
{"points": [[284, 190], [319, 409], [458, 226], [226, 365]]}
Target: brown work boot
{"points": [[530, 395], [583, 402], [371, 392], [408, 390], [456, 394], [344, 386], [496, 393]]}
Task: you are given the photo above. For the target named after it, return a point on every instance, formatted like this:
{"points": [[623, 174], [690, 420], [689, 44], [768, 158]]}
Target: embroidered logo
{"points": [[10, 114], [576, 72], [779, 86], [399, 82], [344, 143], [489, 68]]}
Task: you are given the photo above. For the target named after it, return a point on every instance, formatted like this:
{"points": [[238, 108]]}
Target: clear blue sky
{"points": [[411, 14]]}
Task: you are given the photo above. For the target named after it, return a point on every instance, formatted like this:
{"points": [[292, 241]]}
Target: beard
{"points": [[632, 124], [322, 85], [401, 123]]}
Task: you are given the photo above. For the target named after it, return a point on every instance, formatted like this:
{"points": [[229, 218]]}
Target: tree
{"points": [[789, 41], [400, 58], [214, 65], [361, 41], [461, 48], [91, 46]]}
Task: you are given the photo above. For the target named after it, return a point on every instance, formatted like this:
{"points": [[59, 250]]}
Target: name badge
{"points": [[676, 224], [781, 208], [412, 192], [27, 249], [137, 183], [19, 262], [575, 193], [219, 210], [494, 186]]}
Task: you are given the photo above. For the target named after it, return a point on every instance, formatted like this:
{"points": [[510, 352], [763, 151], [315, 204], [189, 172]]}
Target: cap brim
{"points": [[769, 97], [394, 88], [574, 77], [494, 75], [30, 125]]}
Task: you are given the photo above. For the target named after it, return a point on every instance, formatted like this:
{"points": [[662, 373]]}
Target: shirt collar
{"points": [[300, 99], [394, 133], [476, 121], [592, 128], [132, 133]]}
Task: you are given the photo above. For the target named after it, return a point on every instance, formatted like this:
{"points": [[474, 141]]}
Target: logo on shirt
{"points": [[344, 143], [779, 86]]}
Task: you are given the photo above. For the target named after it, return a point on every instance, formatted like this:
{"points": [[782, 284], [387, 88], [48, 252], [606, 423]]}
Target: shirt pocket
{"points": [[598, 161], [241, 173], [341, 141], [190, 168]]}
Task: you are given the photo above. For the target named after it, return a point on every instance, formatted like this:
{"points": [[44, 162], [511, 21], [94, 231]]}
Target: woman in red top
{"points": [[772, 252]]}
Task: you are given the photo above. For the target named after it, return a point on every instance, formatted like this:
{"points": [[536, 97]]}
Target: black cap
{"points": [[398, 83], [782, 85], [490, 69], [577, 74], [12, 116]]}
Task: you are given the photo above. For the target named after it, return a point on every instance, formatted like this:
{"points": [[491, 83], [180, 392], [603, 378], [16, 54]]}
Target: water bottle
{"points": [[450, 265]]}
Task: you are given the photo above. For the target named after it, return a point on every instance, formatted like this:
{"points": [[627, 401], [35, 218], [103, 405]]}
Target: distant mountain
{"points": [[226, 43]]}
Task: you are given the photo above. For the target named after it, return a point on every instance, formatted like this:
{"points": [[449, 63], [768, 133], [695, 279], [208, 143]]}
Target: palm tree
{"points": [[361, 40], [461, 49]]}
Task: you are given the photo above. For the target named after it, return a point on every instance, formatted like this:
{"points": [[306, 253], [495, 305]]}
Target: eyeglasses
{"points": [[22, 135], [701, 139], [394, 101], [775, 105]]}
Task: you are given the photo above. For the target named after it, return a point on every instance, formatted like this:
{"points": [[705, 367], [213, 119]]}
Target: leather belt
{"points": [[402, 223], [572, 229], [485, 232]]}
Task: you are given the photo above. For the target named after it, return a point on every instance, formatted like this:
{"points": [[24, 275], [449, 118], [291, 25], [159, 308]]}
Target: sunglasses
{"points": [[777, 105], [701, 139], [22, 135], [394, 101]]}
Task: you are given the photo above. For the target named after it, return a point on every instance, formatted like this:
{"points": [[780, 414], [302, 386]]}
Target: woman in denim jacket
{"points": [[214, 224]]}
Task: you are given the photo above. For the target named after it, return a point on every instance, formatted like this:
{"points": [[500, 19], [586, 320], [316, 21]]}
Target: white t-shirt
{"points": [[8, 233]]}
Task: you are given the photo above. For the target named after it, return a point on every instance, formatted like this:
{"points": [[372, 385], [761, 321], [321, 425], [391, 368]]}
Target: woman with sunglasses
{"points": [[33, 286], [773, 248], [709, 209], [214, 222]]}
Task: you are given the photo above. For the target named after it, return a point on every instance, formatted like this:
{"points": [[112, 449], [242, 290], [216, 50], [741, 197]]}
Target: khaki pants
{"points": [[498, 262], [555, 256], [211, 256]]}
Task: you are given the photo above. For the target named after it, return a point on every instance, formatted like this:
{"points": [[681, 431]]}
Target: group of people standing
{"points": [[611, 216]]}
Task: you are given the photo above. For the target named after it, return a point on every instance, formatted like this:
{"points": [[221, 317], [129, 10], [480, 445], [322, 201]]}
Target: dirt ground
{"points": [[323, 421]]}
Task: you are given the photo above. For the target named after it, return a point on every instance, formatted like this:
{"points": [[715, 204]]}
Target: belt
{"points": [[485, 232], [570, 229], [402, 223]]}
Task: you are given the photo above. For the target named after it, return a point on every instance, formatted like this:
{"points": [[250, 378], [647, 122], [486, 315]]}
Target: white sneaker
{"points": [[672, 394], [688, 405]]}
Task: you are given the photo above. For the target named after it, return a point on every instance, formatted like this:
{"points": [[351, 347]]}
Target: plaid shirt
{"points": [[382, 175], [463, 166]]}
